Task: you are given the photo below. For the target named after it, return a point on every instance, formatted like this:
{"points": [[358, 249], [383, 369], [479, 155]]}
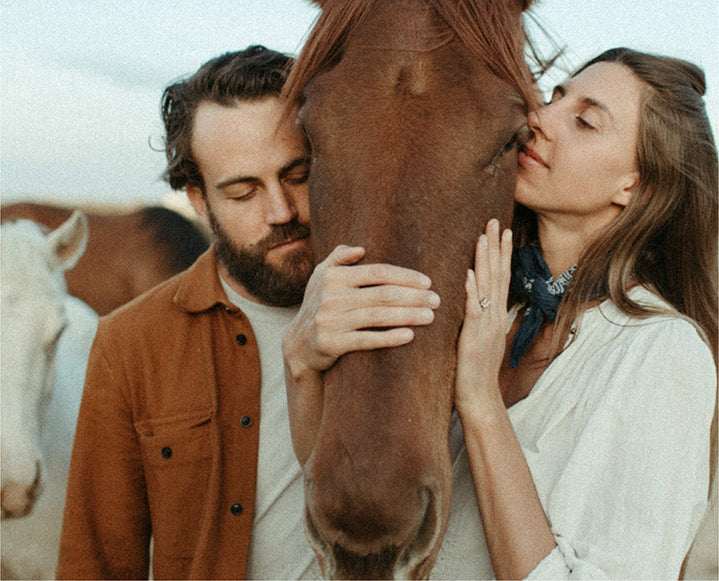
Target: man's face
{"points": [[256, 198]]}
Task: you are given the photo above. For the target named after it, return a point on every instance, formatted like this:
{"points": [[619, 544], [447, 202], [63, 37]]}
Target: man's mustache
{"points": [[282, 234]]}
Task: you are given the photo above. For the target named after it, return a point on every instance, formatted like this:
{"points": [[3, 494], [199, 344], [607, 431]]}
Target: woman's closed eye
{"points": [[583, 123]]}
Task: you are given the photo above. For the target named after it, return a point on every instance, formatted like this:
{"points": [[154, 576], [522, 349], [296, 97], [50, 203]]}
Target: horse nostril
{"points": [[418, 555], [344, 555], [37, 483], [16, 500]]}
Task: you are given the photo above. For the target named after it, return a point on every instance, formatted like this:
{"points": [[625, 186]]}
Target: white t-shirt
{"points": [[278, 548], [616, 435]]}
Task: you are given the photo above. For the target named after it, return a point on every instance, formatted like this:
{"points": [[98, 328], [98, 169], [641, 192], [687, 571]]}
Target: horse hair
{"points": [[487, 28]]}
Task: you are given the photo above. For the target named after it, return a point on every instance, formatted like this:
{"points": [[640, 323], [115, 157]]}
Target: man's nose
{"points": [[280, 207]]}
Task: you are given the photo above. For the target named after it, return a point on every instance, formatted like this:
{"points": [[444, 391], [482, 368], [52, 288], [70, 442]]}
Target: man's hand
{"points": [[347, 307]]}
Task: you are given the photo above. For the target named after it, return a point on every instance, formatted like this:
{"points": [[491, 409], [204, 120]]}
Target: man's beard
{"points": [[282, 286]]}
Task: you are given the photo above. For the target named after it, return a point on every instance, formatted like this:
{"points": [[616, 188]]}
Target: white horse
{"points": [[45, 343]]}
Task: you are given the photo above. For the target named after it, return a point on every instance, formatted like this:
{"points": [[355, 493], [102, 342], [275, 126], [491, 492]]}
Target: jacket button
{"points": [[241, 339], [166, 452], [246, 421], [236, 509]]}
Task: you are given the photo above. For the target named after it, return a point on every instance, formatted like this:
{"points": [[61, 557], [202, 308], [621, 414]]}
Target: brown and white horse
{"points": [[413, 109]]}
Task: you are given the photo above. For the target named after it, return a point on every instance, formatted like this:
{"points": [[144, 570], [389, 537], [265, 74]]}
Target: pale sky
{"points": [[81, 80]]}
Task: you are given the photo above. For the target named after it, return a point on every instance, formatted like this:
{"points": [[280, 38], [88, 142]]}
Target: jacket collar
{"points": [[200, 288]]}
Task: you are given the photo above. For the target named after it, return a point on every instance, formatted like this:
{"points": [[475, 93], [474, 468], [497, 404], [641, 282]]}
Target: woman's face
{"points": [[580, 167]]}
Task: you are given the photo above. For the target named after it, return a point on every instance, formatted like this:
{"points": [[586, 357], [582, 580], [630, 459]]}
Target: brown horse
{"points": [[413, 109], [127, 253]]}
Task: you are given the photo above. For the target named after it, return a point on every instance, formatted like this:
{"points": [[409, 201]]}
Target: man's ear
{"points": [[624, 195], [199, 203]]}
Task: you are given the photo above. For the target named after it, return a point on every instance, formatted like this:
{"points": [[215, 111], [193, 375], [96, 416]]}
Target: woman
{"points": [[587, 435]]}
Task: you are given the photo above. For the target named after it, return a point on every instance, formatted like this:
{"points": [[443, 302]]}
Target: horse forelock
{"points": [[325, 42], [489, 29]]}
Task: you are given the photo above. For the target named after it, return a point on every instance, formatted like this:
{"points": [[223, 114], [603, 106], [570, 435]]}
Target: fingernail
{"points": [[425, 281], [483, 241], [406, 335], [434, 300], [494, 225]]}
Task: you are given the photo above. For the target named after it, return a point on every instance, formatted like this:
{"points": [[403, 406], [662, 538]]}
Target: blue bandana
{"points": [[532, 282]]}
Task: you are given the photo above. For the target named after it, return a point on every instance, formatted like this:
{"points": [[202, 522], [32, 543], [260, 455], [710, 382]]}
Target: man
{"points": [[183, 434]]}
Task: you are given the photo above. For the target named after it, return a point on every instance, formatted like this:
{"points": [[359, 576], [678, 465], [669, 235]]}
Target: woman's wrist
{"points": [[481, 409]]}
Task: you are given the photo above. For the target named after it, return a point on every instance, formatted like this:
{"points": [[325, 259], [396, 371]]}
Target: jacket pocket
{"points": [[177, 454]]}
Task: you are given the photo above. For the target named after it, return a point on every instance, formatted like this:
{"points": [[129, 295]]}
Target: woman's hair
{"points": [[666, 237], [247, 75]]}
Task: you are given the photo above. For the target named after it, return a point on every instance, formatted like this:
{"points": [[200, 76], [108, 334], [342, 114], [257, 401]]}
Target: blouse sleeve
{"points": [[626, 501]]}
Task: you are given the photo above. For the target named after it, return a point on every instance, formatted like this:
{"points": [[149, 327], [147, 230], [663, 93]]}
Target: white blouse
{"points": [[616, 435]]}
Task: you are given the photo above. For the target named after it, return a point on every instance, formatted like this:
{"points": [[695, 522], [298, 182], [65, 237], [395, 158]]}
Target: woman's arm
{"points": [[518, 534], [347, 307]]}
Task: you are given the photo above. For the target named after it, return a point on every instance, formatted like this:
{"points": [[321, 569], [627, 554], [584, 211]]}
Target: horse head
{"points": [[413, 109], [33, 317]]}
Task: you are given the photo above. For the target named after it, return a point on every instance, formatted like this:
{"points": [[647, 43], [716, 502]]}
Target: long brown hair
{"points": [[666, 237]]}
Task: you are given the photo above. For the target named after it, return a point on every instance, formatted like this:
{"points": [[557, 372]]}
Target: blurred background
{"points": [[80, 82]]}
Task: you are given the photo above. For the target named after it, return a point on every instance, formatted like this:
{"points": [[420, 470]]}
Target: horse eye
{"points": [[518, 140], [509, 145]]}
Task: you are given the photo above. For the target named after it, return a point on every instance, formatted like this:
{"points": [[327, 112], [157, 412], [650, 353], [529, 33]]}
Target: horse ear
{"points": [[66, 244]]}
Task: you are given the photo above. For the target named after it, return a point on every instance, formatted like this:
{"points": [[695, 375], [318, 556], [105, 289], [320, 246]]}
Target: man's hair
{"points": [[248, 75]]}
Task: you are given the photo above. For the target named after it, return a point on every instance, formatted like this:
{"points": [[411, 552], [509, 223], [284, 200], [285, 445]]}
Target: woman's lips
{"points": [[527, 156]]}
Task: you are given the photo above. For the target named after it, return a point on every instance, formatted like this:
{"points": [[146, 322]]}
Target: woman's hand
{"points": [[482, 340], [347, 307], [516, 530]]}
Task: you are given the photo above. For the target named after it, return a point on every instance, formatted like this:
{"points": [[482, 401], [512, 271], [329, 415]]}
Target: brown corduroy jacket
{"points": [[167, 438]]}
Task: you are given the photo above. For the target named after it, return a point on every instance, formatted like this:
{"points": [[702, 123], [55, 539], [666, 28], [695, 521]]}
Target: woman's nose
{"points": [[533, 119], [535, 122]]}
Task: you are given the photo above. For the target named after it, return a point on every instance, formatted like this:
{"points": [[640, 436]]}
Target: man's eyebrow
{"points": [[252, 179], [236, 180], [293, 164]]}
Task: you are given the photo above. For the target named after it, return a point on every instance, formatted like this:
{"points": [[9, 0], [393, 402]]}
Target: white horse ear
{"points": [[66, 244]]}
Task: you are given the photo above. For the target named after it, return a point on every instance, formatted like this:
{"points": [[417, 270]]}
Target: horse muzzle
{"points": [[18, 497], [364, 536]]}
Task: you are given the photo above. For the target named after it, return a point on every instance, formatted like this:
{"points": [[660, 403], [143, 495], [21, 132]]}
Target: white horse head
{"points": [[32, 319]]}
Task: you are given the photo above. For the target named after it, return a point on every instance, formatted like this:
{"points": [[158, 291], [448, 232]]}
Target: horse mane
{"points": [[487, 27]]}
